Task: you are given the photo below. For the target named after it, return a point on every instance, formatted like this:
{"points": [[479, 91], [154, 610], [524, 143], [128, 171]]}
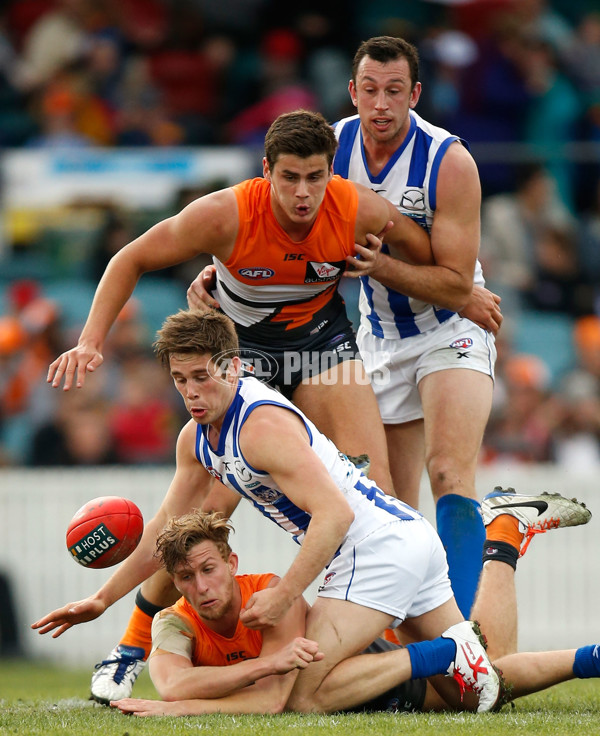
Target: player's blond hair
{"points": [[181, 533], [192, 332]]}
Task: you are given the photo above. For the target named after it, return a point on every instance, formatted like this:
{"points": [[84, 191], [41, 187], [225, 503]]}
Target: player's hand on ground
{"points": [[483, 308], [367, 258], [198, 294], [139, 707], [264, 608], [73, 365], [73, 613], [296, 655]]}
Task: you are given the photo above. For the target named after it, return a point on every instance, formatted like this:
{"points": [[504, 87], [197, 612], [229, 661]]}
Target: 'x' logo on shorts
{"points": [[462, 355]]}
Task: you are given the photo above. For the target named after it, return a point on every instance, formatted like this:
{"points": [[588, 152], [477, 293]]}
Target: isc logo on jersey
{"points": [[256, 273], [316, 272]]}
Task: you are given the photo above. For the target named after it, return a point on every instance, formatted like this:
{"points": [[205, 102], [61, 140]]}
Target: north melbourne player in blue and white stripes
{"points": [[432, 370]]}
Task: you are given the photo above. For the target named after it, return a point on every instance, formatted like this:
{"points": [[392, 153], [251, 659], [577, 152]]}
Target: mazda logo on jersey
{"points": [[256, 273], [316, 272], [413, 199]]}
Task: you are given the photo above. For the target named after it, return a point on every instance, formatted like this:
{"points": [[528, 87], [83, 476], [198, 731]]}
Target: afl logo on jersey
{"points": [[462, 343], [256, 273], [214, 473], [413, 199]]}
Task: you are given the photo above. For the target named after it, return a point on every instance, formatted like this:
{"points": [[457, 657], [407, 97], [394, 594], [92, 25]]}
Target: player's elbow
{"points": [[345, 518], [167, 692], [170, 689]]}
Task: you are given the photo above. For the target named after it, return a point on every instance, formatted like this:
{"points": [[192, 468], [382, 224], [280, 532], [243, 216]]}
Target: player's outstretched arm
{"points": [[78, 612], [207, 225]]}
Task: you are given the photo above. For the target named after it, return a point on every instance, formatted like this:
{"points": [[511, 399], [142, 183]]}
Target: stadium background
{"points": [[114, 115]]}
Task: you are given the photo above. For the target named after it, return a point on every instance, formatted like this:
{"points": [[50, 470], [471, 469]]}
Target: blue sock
{"points": [[587, 661], [462, 532], [429, 658]]}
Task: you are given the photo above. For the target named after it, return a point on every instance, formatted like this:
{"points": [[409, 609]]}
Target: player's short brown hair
{"points": [[301, 133], [388, 48], [191, 331], [181, 533]]}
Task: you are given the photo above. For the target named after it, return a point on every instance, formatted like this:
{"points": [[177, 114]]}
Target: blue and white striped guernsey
{"points": [[372, 508], [409, 182]]}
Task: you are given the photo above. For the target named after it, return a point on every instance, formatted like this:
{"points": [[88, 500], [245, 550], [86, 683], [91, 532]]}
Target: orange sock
{"points": [[139, 631], [505, 528], [390, 635]]}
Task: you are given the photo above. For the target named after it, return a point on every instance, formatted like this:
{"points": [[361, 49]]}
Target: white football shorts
{"points": [[395, 367], [399, 569]]}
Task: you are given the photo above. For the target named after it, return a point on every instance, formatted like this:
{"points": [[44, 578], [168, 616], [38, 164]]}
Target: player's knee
{"points": [[444, 475]]}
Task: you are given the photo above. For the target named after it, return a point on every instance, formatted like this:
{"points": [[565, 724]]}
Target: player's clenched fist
{"points": [[298, 654]]}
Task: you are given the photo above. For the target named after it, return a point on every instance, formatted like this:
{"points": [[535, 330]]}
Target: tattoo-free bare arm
{"points": [[291, 465], [207, 225], [454, 240]]}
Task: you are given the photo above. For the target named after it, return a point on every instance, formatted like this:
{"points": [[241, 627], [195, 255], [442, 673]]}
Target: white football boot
{"points": [[535, 514], [471, 667], [115, 676]]}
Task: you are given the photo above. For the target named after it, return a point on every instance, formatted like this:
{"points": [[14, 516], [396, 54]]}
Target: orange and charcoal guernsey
{"points": [[276, 289], [212, 649]]}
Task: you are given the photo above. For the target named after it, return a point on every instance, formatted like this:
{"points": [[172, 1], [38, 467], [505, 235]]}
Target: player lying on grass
{"points": [[385, 563], [204, 659]]}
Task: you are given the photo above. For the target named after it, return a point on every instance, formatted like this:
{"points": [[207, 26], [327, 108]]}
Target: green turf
{"points": [[45, 700]]}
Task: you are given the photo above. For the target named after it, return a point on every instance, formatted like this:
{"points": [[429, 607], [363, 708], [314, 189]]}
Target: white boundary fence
{"points": [[559, 595]]}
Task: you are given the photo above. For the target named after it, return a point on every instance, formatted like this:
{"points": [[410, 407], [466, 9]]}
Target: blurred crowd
{"points": [[189, 72], [524, 74]]}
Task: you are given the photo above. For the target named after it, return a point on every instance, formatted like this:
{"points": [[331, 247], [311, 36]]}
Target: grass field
{"points": [[45, 700]]}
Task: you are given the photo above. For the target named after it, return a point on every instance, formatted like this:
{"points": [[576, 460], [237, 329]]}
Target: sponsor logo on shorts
{"points": [[462, 342], [323, 272], [256, 273], [93, 545], [328, 578]]}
